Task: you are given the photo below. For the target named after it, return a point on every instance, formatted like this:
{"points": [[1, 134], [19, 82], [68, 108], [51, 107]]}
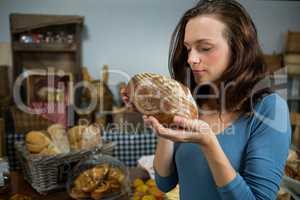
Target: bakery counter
{"points": [[18, 186]]}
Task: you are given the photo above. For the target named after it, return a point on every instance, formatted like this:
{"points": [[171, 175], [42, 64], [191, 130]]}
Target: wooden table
{"points": [[19, 186]]}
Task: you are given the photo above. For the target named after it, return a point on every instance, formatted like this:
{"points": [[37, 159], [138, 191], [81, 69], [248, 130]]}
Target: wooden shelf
{"points": [[293, 98], [44, 47]]}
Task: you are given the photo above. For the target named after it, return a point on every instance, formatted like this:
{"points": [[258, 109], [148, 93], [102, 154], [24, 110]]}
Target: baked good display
{"points": [[57, 140], [161, 97]]}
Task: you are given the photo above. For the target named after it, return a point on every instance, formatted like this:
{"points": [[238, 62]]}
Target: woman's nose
{"points": [[193, 58]]}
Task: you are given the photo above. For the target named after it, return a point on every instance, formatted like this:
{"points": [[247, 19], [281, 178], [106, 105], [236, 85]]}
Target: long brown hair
{"points": [[247, 65]]}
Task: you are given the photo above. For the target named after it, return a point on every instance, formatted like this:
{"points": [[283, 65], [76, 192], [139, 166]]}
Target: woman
{"points": [[238, 147]]}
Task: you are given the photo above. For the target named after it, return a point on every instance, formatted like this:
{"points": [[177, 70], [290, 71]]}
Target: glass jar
{"points": [[26, 38], [70, 38], [99, 177]]}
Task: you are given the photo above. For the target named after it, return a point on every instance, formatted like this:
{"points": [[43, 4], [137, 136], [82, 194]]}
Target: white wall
{"points": [[131, 35], [273, 19], [134, 35]]}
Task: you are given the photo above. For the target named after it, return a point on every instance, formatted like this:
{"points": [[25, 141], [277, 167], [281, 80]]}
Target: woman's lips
{"points": [[199, 71]]}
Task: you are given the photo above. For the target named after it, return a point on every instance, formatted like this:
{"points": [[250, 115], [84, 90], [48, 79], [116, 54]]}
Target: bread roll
{"points": [[75, 136], [59, 137], [84, 137], [161, 97], [91, 137], [38, 142], [54, 127], [37, 137], [51, 149], [35, 148]]}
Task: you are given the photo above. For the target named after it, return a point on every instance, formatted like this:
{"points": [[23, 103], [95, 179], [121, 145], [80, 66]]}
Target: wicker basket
{"points": [[50, 173]]}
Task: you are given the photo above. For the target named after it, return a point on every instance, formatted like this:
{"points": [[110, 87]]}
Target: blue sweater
{"points": [[257, 148]]}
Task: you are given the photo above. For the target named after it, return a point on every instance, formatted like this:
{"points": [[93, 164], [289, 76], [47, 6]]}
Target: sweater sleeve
{"points": [[265, 154], [166, 184]]}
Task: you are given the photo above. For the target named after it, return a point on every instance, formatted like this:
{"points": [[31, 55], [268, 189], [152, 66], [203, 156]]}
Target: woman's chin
{"points": [[201, 79]]}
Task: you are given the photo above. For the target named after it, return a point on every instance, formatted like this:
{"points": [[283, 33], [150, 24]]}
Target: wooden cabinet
{"points": [[46, 41], [2, 137]]}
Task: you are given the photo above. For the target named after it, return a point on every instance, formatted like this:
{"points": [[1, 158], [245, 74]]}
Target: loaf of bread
{"points": [[50, 150], [59, 137], [84, 137], [91, 137], [75, 136], [38, 142], [161, 97]]}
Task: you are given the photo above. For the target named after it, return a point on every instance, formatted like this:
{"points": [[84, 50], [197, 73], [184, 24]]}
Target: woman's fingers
{"points": [[174, 135], [146, 121], [155, 124], [189, 134], [191, 124], [126, 100], [124, 95], [123, 91]]}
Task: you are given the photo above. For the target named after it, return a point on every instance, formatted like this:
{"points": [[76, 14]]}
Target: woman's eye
{"points": [[199, 49], [204, 49]]}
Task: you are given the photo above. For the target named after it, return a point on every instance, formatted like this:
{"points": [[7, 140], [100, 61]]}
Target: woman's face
{"points": [[208, 50]]}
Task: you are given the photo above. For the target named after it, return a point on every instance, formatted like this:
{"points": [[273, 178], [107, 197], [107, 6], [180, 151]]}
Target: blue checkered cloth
{"points": [[131, 147], [10, 139]]}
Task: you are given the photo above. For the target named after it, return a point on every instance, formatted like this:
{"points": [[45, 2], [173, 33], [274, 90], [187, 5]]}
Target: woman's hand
{"points": [[194, 131], [199, 132], [125, 99]]}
